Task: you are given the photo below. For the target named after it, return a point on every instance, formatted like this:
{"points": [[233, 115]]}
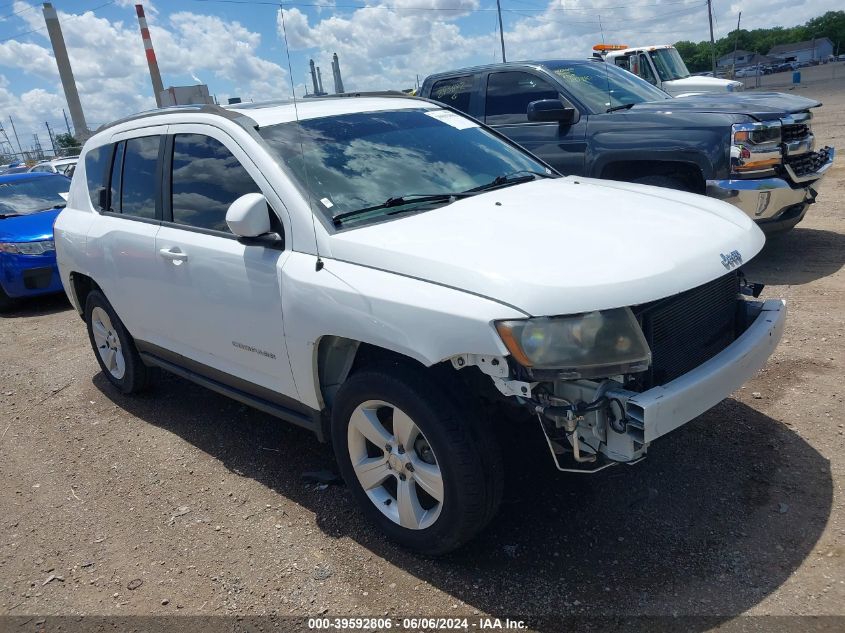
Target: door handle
{"points": [[173, 254]]}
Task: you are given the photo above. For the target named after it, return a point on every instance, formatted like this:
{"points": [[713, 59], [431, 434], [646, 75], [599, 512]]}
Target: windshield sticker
{"points": [[450, 118], [567, 74], [327, 203]]}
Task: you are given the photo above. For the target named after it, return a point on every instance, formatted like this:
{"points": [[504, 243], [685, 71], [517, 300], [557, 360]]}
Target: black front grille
{"points": [[808, 163], [794, 132], [37, 278], [688, 329]]}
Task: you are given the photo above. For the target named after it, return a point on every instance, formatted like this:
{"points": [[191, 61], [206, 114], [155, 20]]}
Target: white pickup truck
{"points": [[662, 66], [374, 268]]}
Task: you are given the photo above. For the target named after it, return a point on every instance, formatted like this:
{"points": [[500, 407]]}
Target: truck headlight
{"points": [[591, 345], [27, 248], [755, 146]]}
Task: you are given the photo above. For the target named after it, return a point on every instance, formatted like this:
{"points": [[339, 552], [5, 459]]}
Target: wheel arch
{"points": [[81, 286], [629, 170]]}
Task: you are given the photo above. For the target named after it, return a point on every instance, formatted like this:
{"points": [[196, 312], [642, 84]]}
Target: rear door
{"points": [[121, 245], [507, 95], [220, 298]]}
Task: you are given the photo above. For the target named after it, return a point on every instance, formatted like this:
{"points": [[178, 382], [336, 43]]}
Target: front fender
{"points": [[412, 317], [699, 139]]}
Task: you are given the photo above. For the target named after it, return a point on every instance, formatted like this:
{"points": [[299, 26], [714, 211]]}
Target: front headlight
{"points": [[592, 345], [755, 146], [28, 248]]}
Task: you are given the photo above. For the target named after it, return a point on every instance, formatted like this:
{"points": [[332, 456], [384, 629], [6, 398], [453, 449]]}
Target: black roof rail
{"points": [[200, 108]]}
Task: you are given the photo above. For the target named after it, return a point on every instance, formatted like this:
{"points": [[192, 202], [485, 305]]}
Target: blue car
{"points": [[29, 204]]}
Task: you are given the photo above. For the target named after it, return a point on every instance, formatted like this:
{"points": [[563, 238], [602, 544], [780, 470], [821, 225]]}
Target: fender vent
{"points": [[688, 329]]}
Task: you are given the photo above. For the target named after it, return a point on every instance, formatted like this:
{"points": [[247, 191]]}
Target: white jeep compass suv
{"points": [[374, 267]]}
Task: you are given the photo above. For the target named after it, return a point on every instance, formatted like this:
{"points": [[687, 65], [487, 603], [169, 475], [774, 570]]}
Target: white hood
{"points": [[699, 84], [561, 246]]}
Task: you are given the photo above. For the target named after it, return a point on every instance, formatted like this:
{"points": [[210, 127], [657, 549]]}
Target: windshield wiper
{"points": [[3, 216], [398, 201], [625, 106], [511, 179]]}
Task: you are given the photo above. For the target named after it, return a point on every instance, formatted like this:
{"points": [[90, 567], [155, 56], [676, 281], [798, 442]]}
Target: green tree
{"points": [[67, 141]]}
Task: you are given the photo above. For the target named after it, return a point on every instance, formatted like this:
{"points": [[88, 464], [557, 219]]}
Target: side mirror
{"points": [[546, 110], [249, 216]]}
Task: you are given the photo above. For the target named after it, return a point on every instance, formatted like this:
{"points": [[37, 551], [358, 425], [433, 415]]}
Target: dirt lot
{"points": [[181, 501]]}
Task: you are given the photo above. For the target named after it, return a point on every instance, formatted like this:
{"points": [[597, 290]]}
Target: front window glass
{"points": [[23, 197], [207, 178], [669, 64], [645, 70], [508, 96], [599, 85], [349, 162]]}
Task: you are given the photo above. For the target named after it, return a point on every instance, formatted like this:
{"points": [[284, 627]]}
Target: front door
{"points": [[220, 298], [506, 102]]}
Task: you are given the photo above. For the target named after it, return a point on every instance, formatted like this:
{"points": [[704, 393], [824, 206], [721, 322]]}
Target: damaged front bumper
{"points": [[774, 202], [623, 429]]}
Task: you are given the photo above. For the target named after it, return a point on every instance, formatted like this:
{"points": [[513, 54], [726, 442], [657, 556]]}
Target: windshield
{"points": [[601, 86], [22, 197], [669, 64], [350, 162]]}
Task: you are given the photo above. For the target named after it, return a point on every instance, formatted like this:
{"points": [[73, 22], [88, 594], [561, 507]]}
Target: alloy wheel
{"points": [[108, 343], [395, 464]]}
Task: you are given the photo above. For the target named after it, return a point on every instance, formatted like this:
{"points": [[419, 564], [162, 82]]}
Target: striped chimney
{"points": [[155, 75]]}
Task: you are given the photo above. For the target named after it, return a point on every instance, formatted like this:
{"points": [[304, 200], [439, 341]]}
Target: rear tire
{"points": [[424, 471], [113, 346], [667, 182]]}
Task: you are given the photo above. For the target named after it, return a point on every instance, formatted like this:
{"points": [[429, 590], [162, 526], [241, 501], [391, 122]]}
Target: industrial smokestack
{"points": [[54, 29], [155, 75], [320, 81], [314, 76], [338, 81]]}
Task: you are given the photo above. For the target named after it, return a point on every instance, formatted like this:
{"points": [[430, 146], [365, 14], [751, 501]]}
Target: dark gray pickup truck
{"points": [[588, 118]]}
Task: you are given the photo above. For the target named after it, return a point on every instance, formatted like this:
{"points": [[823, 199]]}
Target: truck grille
{"points": [[808, 163], [688, 329], [794, 132]]}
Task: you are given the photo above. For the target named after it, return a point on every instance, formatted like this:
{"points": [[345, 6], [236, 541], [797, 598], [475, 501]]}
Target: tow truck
{"points": [[663, 67]]}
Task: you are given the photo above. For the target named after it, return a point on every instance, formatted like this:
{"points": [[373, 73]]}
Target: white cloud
{"points": [[110, 67], [382, 48]]}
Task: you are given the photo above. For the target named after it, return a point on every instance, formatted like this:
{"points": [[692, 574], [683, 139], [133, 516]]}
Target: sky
{"points": [[239, 48]]}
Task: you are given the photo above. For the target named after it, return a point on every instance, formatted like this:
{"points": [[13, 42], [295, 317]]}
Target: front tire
{"points": [[418, 464], [6, 302], [113, 346]]}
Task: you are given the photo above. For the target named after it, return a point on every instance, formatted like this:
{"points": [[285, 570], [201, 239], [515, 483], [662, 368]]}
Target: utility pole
{"points": [[712, 40], [736, 41], [52, 140], [54, 30], [20, 149], [501, 30]]}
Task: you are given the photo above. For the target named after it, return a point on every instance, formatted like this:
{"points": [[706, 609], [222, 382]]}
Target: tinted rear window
{"points": [[455, 92], [140, 176], [95, 172]]}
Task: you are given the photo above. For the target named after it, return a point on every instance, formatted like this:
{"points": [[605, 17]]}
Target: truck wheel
{"points": [[419, 465], [668, 182], [113, 346]]}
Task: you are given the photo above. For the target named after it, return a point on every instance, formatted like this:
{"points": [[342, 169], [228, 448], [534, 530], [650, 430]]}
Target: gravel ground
{"points": [[181, 501]]}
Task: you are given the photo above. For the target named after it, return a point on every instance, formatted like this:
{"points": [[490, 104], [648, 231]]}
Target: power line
{"points": [[44, 28]]}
